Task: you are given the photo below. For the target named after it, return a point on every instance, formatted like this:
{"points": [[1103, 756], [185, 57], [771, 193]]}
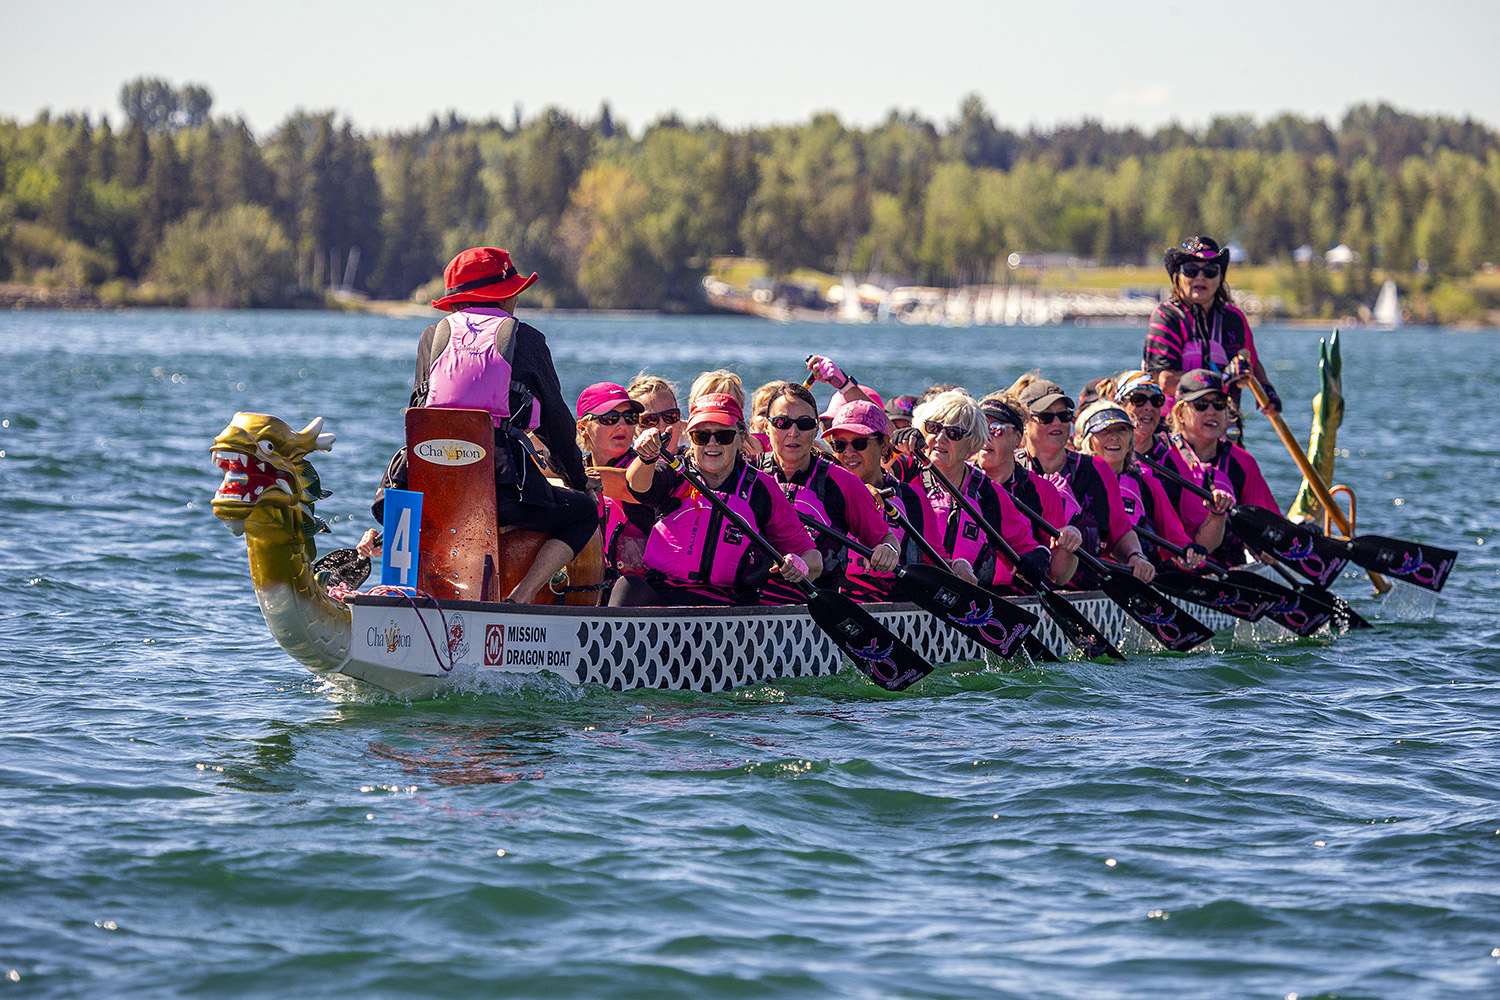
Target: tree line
{"points": [[180, 204]]}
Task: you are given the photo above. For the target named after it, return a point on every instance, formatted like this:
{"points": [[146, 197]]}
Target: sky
{"points": [[387, 66]]}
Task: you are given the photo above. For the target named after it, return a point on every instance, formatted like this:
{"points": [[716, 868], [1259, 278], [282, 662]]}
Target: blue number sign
{"points": [[403, 535]]}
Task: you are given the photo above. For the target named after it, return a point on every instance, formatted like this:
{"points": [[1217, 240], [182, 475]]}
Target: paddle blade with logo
{"points": [[991, 621], [1173, 627], [1221, 595], [1424, 565], [875, 649], [1319, 558]]}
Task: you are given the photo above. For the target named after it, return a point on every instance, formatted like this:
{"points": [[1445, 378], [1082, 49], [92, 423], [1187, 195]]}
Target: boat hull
{"points": [[414, 649]]}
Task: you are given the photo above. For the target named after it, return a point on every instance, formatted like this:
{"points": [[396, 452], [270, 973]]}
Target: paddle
{"points": [[1245, 596], [978, 614], [1410, 561], [1035, 647], [1315, 556], [1173, 627], [1081, 632], [1342, 612], [875, 649]]}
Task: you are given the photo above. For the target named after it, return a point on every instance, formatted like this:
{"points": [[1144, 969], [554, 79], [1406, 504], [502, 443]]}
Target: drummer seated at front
{"points": [[482, 357], [694, 554]]}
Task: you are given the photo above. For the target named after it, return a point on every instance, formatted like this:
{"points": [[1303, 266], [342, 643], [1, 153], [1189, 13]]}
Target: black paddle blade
{"points": [[1299, 611], [1173, 627], [1319, 558], [1424, 565], [991, 621], [1221, 595], [1079, 630], [877, 652], [1307, 599], [344, 566]]}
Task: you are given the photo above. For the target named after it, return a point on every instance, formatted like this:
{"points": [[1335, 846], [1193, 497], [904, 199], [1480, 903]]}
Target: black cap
{"points": [[1199, 382]]}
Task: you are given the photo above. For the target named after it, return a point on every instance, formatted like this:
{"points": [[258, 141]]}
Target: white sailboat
{"points": [[1387, 312]]}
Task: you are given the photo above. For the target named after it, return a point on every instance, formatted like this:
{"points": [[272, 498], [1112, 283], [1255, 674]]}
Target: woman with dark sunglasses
{"points": [[1199, 327], [660, 412], [822, 489], [694, 555], [953, 428], [858, 435], [1198, 449], [1089, 481], [1139, 395], [996, 458], [1108, 433], [607, 423]]}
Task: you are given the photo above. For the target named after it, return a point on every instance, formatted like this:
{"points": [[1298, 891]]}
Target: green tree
{"points": [[239, 258]]}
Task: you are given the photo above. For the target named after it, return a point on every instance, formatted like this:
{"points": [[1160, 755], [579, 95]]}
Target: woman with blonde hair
{"points": [[953, 429]]}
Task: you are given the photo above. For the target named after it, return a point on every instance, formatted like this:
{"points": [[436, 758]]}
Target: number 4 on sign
{"points": [[403, 533]]}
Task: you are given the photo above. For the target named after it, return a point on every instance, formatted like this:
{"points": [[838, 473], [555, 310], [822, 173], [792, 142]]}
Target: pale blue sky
{"points": [[389, 65]]}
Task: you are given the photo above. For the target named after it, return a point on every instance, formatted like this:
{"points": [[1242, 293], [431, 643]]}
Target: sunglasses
{"points": [[1145, 399], [666, 418], [1207, 270], [1066, 416], [997, 427], [841, 445], [951, 433], [717, 437], [614, 416], [1202, 405], [801, 423]]}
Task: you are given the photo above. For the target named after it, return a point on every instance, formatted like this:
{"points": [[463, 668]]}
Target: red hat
{"points": [[715, 408], [601, 397], [481, 274]]}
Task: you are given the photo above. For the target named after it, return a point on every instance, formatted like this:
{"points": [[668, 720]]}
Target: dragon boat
{"points": [[415, 642]]}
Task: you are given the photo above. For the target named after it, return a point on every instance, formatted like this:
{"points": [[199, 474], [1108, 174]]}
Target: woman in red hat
{"points": [[481, 357], [694, 555], [1200, 326]]}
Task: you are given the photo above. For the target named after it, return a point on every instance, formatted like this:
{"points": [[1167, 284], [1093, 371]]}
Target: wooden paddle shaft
{"points": [[1314, 480]]}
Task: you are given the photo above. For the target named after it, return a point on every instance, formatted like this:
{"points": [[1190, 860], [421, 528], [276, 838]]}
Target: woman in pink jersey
{"points": [[695, 555], [1199, 452], [821, 489], [1108, 433], [1200, 326]]}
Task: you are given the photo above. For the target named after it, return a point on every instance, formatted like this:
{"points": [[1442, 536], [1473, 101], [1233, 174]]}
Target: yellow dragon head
{"points": [[267, 474]]}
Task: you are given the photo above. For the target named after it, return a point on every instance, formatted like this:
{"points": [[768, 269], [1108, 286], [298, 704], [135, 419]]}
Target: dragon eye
{"points": [[266, 447]]}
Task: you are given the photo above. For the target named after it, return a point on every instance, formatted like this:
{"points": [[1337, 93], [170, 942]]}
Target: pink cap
{"points": [[601, 397], [839, 399], [861, 418], [715, 408]]}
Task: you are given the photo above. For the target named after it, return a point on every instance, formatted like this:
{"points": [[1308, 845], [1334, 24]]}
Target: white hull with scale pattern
{"points": [[415, 650]]}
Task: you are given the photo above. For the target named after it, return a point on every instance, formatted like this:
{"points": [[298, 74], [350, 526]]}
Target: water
{"points": [[184, 811]]}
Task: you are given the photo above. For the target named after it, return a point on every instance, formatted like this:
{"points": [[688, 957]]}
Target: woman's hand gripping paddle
{"points": [[875, 649], [1317, 557], [1081, 632], [1173, 627], [991, 621]]}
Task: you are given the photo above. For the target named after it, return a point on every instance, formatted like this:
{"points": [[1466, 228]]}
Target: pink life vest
{"points": [[473, 370], [695, 544]]}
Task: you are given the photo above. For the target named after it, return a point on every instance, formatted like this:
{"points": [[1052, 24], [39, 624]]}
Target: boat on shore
{"points": [[414, 644]]}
